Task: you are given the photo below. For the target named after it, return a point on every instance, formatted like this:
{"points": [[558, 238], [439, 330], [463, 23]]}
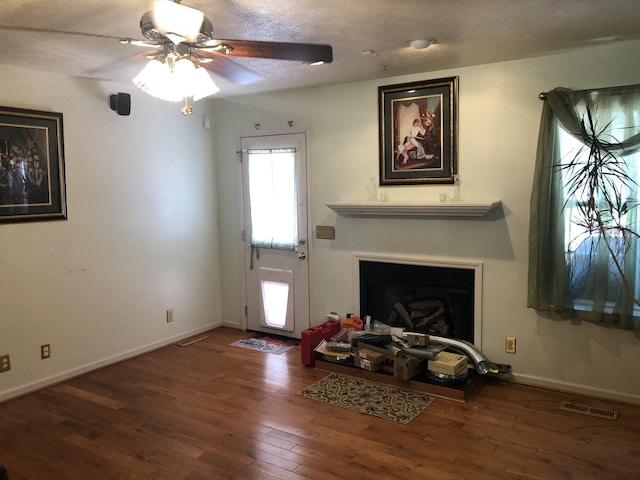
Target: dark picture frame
{"points": [[32, 177], [418, 132]]}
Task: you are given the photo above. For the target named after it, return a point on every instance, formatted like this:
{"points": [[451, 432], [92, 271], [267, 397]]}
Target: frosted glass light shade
{"points": [[174, 85], [152, 77], [182, 77], [203, 85]]}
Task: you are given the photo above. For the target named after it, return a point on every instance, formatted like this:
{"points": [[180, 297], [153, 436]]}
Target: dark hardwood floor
{"points": [[213, 411]]}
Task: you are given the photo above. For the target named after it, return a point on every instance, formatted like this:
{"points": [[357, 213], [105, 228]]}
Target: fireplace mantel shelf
{"points": [[421, 209]]}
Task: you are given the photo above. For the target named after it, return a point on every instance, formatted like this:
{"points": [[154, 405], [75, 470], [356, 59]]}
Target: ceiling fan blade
{"points": [[59, 32], [229, 70], [302, 52], [140, 43]]}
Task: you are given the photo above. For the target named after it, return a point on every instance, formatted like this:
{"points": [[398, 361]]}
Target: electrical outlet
{"points": [[510, 345], [170, 315], [45, 351], [5, 363]]}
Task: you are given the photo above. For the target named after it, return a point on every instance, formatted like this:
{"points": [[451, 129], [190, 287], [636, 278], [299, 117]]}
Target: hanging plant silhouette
{"points": [[596, 177]]}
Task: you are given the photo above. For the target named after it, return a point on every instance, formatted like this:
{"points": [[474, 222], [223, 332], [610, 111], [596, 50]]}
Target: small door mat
{"points": [[266, 343], [370, 398]]}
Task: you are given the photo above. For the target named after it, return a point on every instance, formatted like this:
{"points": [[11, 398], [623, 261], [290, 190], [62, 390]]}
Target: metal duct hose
{"points": [[479, 360], [421, 353]]}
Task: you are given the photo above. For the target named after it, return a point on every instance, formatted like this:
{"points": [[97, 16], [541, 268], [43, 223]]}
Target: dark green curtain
{"points": [[549, 286]]}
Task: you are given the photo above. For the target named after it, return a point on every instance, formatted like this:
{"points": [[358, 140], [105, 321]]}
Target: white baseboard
{"points": [[74, 372], [578, 389], [235, 325], [61, 377]]}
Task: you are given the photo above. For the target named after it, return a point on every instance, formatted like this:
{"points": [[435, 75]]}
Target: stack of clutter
{"points": [[376, 347]]}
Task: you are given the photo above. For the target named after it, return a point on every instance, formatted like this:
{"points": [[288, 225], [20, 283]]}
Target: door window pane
{"points": [[273, 199]]}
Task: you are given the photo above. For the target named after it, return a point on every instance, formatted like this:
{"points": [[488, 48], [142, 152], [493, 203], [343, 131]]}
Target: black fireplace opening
{"points": [[420, 298]]}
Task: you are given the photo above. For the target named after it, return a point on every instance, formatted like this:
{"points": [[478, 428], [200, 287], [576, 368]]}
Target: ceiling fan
{"points": [[180, 42], [183, 42]]}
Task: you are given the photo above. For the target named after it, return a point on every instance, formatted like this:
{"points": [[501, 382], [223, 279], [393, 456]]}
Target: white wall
{"points": [[498, 128], [141, 236]]}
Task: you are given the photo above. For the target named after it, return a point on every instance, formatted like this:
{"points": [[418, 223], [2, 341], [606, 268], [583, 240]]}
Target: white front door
{"points": [[274, 172]]}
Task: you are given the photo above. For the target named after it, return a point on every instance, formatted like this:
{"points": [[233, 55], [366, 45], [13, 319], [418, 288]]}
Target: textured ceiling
{"points": [[468, 32]]}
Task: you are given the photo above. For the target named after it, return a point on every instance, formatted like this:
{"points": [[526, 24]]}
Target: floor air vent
{"points": [[592, 411]]}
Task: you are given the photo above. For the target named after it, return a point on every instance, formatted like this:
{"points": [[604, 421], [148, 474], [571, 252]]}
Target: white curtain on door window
{"points": [[273, 198]]}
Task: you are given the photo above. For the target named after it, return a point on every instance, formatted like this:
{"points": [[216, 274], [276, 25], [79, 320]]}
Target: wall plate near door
{"points": [[325, 232], [510, 345], [5, 363]]}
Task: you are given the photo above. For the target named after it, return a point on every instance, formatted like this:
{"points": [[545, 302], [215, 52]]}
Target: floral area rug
{"points": [[390, 403], [266, 343]]}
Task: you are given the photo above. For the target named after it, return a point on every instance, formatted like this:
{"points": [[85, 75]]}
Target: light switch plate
{"points": [[325, 232]]}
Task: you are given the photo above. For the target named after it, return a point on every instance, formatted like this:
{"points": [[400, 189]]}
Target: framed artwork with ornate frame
{"points": [[32, 179], [418, 132]]}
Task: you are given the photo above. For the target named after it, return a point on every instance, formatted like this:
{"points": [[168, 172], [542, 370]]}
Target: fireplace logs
{"points": [[430, 299], [424, 316]]}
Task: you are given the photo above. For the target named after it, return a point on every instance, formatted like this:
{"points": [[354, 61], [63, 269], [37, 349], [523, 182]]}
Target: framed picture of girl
{"points": [[418, 132], [32, 180]]}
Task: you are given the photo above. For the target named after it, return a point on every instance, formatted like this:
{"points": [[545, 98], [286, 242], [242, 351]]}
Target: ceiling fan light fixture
{"points": [[175, 81], [203, 85], [149, 78], [177, 22], [183, 41], [156, 79], [181, 78]]}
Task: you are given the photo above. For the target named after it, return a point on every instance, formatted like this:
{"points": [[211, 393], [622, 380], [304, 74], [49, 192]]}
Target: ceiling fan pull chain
{"points": [[187, 109]]}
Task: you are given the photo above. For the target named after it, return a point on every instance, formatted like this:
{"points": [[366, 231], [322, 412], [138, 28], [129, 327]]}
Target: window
{"points": [[581, 243], [272, 193], [584, 221]]}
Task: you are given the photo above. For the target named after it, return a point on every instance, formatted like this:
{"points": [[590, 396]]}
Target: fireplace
{"points": [[437, 297]]}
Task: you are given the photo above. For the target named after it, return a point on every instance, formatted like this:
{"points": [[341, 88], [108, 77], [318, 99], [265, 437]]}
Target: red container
{"points": [[311, 337], [330, 328]]}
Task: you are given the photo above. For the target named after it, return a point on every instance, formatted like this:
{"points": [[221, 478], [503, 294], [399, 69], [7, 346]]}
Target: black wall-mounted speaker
{"points": [[120, 103]]}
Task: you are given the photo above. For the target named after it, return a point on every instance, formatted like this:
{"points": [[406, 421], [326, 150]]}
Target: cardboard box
{"points": [[387, 353], [369, 360], [405, 368], [370, 355], [417, 339], [448, 363], [370, 365]]}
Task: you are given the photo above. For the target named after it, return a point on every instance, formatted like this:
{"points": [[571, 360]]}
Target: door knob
{"points": [[302, 255]]}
